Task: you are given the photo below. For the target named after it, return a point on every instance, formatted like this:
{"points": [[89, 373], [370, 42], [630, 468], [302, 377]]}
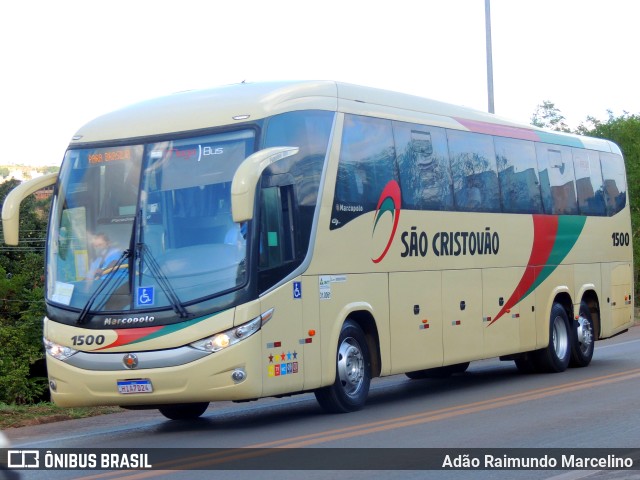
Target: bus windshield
{"points": [[147, 226]]}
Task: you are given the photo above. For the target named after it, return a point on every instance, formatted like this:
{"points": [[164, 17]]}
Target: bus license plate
{"points": [[142, 385]]}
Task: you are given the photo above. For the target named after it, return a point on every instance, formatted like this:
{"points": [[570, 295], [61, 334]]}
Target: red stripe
{"points": [[496, 129], [392, 190], [128, 335], [545, 229]]}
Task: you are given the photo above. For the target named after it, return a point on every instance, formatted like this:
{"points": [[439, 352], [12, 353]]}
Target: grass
{"points": [[13, 416]]}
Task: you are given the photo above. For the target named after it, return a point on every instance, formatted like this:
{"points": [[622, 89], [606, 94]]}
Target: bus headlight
{"points": [[234, 335], [57, 351]]}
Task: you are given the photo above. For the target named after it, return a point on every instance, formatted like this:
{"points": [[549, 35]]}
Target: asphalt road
{"points": [[492, 405]]}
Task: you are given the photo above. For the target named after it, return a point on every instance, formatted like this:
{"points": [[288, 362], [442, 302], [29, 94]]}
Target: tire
{"points": [[184, 411], [350, 389], [438, 372], [583, 338], [555, 357], [525, 364]]}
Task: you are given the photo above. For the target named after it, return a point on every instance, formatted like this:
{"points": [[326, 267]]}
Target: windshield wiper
{"points": [[143, 250], [107, 281]]}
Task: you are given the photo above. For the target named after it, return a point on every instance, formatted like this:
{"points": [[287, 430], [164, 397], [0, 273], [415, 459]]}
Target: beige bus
{"points": [[269, 239]]}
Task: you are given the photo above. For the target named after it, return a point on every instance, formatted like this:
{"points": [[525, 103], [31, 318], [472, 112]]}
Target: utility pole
{"points": [[487, 17]]}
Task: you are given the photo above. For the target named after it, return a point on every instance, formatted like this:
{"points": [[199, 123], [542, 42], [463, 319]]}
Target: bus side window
{"points": [[309, 130], [557, 179], [586, 164], [474, 172], [518, 176], [367, 164], [614, 185], [423, 159]]}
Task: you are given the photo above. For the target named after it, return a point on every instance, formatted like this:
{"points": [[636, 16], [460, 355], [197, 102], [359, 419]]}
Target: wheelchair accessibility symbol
{"points": [[145, 296], [297, 290]]}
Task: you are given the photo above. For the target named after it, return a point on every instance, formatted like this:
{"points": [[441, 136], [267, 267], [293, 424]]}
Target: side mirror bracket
{"points": [[11, 206], [245, 180]]}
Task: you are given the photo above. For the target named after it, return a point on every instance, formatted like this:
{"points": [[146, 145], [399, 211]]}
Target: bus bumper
{"points": [[208, 379]]}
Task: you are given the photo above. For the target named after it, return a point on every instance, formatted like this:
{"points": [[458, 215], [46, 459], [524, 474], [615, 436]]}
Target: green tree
{"points": [[22, 303], [21, 312], [547, 115], [625, 131]]}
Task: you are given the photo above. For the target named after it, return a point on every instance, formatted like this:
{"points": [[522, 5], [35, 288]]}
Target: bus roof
{"points": [[196, 110]]}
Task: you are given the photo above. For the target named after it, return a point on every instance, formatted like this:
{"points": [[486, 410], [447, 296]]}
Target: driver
{"points": [[106, 256]]}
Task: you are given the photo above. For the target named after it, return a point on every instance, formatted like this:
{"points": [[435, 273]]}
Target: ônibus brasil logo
{"points": [[389, 202]]}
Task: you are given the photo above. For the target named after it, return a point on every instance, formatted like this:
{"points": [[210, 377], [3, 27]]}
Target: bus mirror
{"points": [[11, 206], [245, 180]]}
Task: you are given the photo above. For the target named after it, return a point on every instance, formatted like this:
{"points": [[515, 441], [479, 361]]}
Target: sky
{"points": [[65, 62]]}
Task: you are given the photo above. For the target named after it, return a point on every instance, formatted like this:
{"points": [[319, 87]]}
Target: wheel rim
{"points": [[585, 334], [350, 366], [560, 337]]}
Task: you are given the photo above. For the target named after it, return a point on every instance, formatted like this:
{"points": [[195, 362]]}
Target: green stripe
{"points": [[569, 230], [176, 327], [550, 137], [387, 206]]}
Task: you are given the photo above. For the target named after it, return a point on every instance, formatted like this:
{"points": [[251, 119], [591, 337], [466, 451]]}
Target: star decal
{"points": [[270, 358]]}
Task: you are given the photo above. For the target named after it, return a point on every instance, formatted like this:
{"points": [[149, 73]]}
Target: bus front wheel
{"points": [[349, 391], [183, 411]]}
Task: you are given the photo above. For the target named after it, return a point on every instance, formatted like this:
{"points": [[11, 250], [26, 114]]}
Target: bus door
{"points": [[281, 349]]}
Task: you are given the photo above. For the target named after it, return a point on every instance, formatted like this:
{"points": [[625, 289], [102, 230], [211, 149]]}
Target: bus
{"points": [[270, 239]]}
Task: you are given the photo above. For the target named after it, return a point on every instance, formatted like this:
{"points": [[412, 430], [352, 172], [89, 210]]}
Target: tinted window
{"points": [[367, 164], [586, 164], [557, 179], [518, 176], [615, 187], [473, 168], [423, 161], [310, 132]]}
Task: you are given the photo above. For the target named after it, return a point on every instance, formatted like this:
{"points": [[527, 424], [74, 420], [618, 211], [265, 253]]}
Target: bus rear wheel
{"points": [[555, 358], [183, 411], [582, 343], [350, 389]]}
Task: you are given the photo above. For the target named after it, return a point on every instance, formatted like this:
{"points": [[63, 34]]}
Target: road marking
{"points": [[615, 344], [262, 449]]}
